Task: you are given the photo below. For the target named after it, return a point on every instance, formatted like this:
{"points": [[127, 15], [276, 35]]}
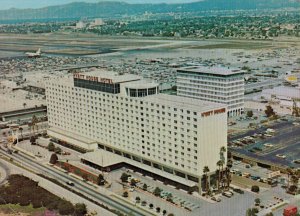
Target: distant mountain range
{"points": [[113, 9]]}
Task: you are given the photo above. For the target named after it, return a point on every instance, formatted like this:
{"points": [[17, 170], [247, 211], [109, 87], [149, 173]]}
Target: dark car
{"points": [[70, 183], [237, 190]]}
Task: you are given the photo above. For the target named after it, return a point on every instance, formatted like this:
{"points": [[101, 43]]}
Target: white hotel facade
{"points": [[215, 84], [124, 119]]}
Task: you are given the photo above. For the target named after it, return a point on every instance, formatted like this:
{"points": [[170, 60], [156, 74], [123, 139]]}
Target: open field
{"points": [[90, 44], [11, 209]]}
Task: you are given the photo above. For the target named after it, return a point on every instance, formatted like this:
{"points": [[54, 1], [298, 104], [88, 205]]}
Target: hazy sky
{"points": [[6, 4]]}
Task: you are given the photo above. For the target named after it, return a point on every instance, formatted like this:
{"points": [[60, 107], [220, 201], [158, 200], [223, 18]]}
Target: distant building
{"points": [[98, 22], [123, 119], [215, 84], [80, 25], [282, 94]]}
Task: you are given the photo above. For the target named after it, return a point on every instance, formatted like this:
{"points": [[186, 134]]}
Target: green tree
{"points": [[32, 140], [53, 159], [170, 197], [269, 111], [124, 177], [100, 180], [255, 188], [249, 113], [21, 131], [206, 171], [57, 150], [51, 146], [219, 164], [257, 201], [137, 199], [125, 194], [157, 191], [80, 209], [145, 186], [65, 208]]}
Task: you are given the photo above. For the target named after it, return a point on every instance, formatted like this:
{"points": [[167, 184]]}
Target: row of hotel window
{"points": [[52, 99]]}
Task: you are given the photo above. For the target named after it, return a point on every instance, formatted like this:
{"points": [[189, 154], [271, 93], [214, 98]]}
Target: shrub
{"points": [[157, 191], [145, 186], [124, 177], [51, 146], [255, 188], [125, 194], [65, 208], [53, 159], [36, 203], [80, 209]]}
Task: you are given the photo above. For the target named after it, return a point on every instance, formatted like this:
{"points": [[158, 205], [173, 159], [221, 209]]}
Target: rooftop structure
{"points": [[214, 84]]}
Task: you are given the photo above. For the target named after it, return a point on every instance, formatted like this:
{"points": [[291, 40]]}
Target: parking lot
{"points": [[279, 143]]}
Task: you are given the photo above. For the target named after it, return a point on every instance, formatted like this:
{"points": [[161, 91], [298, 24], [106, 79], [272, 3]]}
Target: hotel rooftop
{"points": [[216, 70]]}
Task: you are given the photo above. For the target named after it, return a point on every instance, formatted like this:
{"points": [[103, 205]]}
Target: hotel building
{"points": [[215, 84], [123, 119]]}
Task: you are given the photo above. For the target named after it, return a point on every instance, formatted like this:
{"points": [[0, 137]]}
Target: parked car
{"points": [[237, 190], [217, 199], [70, 183], [227, 194]]}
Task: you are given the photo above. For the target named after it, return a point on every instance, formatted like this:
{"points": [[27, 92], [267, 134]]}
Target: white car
{"points": [[281, 156], [268, 145]]}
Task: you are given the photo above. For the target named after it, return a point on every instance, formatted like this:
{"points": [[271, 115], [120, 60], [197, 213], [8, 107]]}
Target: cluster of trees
{"points": [[22, 190], [51, 147], [204, 27], [223, 173], [269, 111], [151, 206]]}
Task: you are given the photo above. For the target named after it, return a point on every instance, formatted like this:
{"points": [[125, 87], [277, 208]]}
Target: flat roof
{"points": [[183, 102], [102, 158], [115, 77], [141, 84], [215, 70], [105, 158], [74, 136], [284, 91]]}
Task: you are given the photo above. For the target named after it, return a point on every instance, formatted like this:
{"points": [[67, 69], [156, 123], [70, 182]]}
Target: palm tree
{"points": [[219, 164], [34, 122], [21, 131], [205, 171], [30, 127], [289, 173], [222, 158]]}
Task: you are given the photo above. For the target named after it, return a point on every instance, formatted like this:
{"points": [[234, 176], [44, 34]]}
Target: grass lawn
{"points": [[10, 208]]}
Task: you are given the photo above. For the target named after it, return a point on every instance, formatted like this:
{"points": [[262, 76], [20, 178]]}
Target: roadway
{"points": [[4, 172], [79, 185], [270, 83]]}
